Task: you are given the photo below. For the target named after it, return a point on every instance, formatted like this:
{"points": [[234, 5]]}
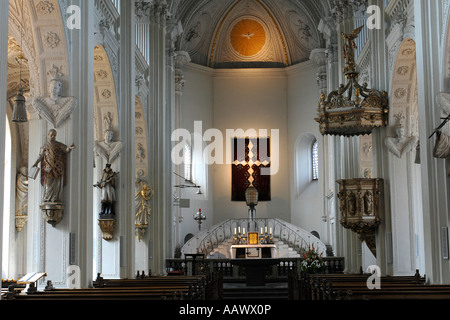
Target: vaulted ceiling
{"points": [[250, 33]]}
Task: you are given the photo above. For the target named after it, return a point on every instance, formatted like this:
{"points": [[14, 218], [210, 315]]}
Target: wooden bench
{"points": [[205, 287], [147, 288], [354, 287]]}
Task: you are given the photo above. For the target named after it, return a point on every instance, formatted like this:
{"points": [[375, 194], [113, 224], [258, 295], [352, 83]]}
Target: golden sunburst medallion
{"points": [[248, 37]]}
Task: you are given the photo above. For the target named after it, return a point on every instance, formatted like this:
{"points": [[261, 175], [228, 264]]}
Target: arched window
{"points": [[315, 160], [187, 162], [306, 162]]}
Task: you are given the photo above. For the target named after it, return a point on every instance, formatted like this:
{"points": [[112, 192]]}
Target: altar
{"points": [[253, 251]]}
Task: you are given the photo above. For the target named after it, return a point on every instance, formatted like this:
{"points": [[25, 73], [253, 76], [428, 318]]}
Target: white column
{"points": [[430, 80], [177, 79], [126, 190], [159, 120], [3, 84], [80, 208], [346, 149], [380, 81]]}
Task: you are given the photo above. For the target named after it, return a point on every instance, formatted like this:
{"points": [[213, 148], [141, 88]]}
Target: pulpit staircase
{"points": [[290, 240]]}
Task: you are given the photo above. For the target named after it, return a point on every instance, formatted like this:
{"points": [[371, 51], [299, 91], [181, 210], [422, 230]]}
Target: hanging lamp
{"points": [[20, 109]]}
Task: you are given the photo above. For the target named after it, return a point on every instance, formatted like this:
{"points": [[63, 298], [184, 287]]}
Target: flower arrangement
{"points": [[313, 262]]}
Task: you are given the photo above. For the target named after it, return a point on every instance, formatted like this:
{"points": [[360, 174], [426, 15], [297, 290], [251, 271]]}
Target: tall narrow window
{"points": [[187, 162], [315, 161]]}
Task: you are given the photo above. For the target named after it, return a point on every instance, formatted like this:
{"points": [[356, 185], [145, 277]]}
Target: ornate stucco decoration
{"points": [[109, 149], [55, 109], [361, 207], [352, 109], [400, 143]]}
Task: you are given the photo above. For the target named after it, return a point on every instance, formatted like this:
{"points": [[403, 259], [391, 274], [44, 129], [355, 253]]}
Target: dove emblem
{"points": [[248, 35]]}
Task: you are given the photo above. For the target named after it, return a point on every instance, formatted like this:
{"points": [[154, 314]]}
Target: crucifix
{"points": [[250, 156]]}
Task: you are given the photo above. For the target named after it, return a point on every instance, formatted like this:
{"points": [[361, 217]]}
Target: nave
{"points": [[220, 146]]}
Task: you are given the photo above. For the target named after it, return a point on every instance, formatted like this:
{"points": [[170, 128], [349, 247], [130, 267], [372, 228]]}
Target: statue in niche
{"points": [[140, 152], [400, 144], [55, 108], [368, 203], [108, 149], [53, 159], [108, 186], [351, 200], [107, 121]]}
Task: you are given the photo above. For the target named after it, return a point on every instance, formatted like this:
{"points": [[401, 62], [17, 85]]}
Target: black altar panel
{"points": [[260, 148]]}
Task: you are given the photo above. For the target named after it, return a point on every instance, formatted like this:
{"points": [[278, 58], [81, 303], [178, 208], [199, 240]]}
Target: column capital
{"points": [[154, 11], [182, 59]]}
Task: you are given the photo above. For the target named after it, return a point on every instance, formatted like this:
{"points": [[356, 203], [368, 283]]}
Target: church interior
{"points": [[225, 143]]}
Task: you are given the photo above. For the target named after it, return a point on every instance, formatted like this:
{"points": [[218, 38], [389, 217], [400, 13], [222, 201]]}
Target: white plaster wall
{"points": [[283, 99], [252, 99], [307, 208], [196, 105]]}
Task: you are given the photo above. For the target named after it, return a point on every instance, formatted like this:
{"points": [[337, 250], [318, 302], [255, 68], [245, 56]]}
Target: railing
{"points": [[225, 266], [295, 237]]}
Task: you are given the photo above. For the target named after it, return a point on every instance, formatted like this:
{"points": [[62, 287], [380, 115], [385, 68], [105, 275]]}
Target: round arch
{"points": [[105, 101]]}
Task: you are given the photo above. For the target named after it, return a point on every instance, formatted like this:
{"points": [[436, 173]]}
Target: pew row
{"points": [[150, 288], [359, 287]]}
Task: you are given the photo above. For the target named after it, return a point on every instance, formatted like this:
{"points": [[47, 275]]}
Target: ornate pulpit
{"points": [[361, 205]]}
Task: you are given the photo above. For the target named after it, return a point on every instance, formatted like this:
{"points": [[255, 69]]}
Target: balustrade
{"points": [[282, 269]]}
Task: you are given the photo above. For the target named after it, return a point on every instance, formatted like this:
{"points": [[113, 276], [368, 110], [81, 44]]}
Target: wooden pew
{"points": [[206, 287], [331, 286], [151, 288], [354, 287]]}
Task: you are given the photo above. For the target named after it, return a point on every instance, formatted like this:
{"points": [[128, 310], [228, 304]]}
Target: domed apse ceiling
{"points": [[249, 33]]}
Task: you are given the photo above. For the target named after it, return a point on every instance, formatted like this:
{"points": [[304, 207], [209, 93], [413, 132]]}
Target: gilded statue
{"points": [[55, 108], [348, 48], [142, 201]]}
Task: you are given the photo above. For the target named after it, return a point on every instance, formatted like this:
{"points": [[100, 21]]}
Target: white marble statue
{"points": [[22, 192], [400, 144], [55, 109], [108, 149], [442, 146]]}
